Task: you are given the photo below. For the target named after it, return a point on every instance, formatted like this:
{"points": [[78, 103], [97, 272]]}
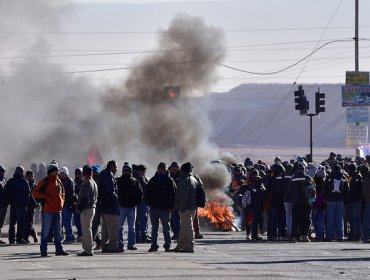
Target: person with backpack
{"points": [[3, 203], [130, 195], [336, 189], [161, 192], [186, 205], [18, 192], [51, 191]]}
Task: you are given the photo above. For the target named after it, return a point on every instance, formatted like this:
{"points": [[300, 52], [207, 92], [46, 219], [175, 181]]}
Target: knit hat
{"points": [[2, 168], [162, 165], [65, 170], [19, 170], [52, 167], [174, 164], [78, 170], [126, 168], [141, 167], [96, 169], [186, 167]]}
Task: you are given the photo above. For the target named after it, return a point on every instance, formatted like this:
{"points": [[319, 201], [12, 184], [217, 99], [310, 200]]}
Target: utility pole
{"points": [[356, 36]]}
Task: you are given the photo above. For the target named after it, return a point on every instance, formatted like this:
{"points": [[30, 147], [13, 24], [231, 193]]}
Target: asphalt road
{"points": [[221, 255]]}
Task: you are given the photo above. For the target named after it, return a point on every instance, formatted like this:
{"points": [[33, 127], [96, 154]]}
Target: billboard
{"points": [[357, 78], [355, 96], [357, 115], [356, 135]]}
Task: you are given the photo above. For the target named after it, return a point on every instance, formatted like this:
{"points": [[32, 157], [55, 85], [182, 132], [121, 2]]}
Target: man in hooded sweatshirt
{"points": [[186, 205], [161, 199], [51, 191], [18, 190]]}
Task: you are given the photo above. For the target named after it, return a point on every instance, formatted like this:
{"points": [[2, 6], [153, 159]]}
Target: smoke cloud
{"points": [[53, 116]]}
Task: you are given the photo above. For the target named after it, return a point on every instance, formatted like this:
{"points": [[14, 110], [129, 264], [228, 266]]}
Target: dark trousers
{"points": [[17, 216], [3, 211], [301, 216], [29, 229], [164, 216], [141, 224], [257, 210], [175, 223], [276, 222], [95, 226]]}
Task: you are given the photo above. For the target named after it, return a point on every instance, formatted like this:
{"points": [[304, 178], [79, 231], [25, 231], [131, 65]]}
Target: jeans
{"points": [[175, 223], [301, 220], [3, 211], [76, 219], [318, 221], [157, 215], [277, 223], [141, 224], [51, 221], [130, 214], [288, 217], [366, 224], [17, 216], [354, 216], [67, 214], [334, 223]]}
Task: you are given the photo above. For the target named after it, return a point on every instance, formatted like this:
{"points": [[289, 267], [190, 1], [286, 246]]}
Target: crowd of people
{"points": [[292, 200], [304, 201], [97, 198]]}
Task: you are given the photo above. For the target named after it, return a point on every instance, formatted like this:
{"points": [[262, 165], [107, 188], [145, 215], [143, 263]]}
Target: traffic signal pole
{"points": [[311, 141]]}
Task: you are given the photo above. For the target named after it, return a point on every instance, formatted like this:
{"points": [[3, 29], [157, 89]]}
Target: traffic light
{"points": [[320, 102], [301, 103], [172, 92]]}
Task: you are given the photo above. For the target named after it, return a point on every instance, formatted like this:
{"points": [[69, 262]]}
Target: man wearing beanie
{"points": [[86, 207], [51, 191], [130, 195], [186, 205], [68, 207], [161, 198]]}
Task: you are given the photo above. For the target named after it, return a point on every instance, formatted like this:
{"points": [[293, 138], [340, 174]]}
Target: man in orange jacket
{"points": [[50, 191]]}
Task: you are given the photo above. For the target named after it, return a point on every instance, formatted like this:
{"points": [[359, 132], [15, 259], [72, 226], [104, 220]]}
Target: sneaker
{"points": [[2, 242], [304, 239], [176, 250], [187, 251], [35, 239], [84, 254], [44, 254], [79, 238], [257, 238], [132, 248], [248, 237], [166, 249], [153, 248], [61, 253], [97, 247]]}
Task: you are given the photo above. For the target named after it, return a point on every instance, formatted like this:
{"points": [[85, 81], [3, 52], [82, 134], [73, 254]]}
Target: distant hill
{"points": [[264, 115]]}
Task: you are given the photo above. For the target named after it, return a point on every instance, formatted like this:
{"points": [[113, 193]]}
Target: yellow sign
{"points": [[357, 78]]}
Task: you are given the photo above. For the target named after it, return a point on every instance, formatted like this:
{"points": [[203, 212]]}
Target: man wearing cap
{"points": [[141, 225], [161, 199], [108, 203], [18, 192], [68, 207], [51, 191], [3, 203], [186, 205], [130, 196], [86, 207]]}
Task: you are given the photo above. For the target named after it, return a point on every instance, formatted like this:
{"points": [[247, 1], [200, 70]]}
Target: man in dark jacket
{"points": [[3, 203], [161, 198], [186, 205], [30, 214], [301, 210], [174, 170], [354, 200], [108, 202], [130, 196], [68, 207], [77, 187], [142, 210], [18, 190], [335, 191], [97, 216]]}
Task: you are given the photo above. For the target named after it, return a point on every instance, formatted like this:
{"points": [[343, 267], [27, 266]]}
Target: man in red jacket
{"points": [[51, 191]]}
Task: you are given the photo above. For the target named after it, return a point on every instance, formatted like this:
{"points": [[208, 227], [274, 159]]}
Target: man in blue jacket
{"points": [[108, 203]]}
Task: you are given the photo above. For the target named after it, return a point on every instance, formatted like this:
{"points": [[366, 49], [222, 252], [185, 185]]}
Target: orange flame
{"points": [[220, 216]]}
